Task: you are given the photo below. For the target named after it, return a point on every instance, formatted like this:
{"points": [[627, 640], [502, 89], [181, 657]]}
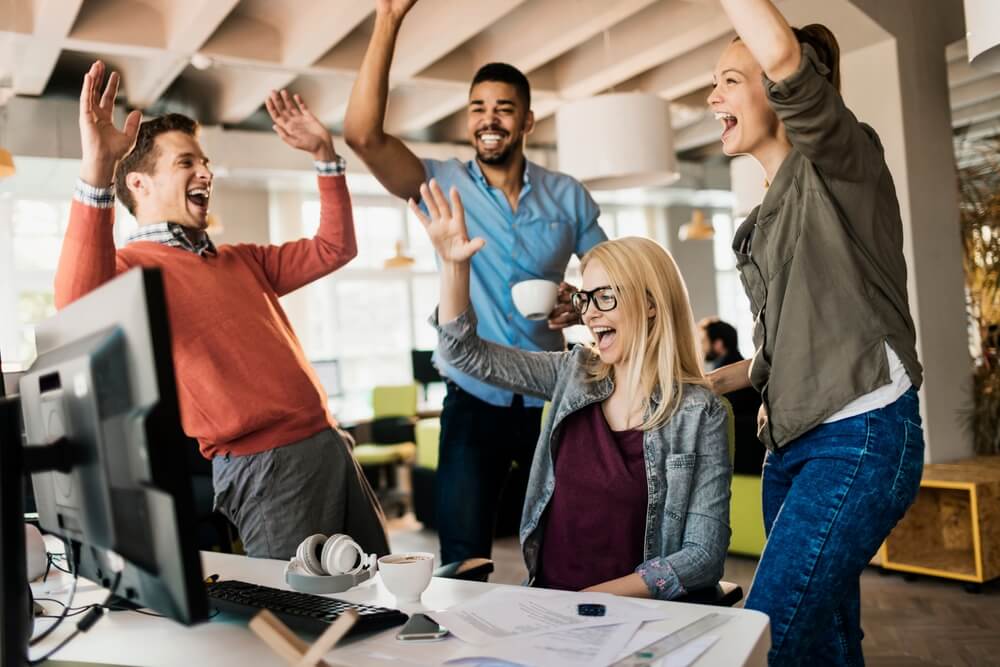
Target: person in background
{"points": [[629, 487], [535, 220], [720, 345], [835, 357], [282, 470]]}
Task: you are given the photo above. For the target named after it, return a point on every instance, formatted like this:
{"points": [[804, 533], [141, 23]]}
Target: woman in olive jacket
{"points": [[821, 260]]}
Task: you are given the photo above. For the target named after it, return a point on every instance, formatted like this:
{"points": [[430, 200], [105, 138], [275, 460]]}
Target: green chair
{"points": [[746, 514], [391, 444]]}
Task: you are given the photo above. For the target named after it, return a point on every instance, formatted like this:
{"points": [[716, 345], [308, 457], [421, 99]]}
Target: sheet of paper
{"points": [[504, 613], [580, 647]]}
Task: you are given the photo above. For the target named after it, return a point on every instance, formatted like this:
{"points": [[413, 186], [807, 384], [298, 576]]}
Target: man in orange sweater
{"points": [[282, 470]]}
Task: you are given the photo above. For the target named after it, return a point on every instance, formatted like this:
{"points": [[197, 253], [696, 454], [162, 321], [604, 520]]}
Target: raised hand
{"points": [[564, 315], [102, 144], [298, 127], [394, 8], [446, 224]]}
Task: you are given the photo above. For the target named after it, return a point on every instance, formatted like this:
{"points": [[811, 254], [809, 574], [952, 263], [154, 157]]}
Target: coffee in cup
{"points": [[406, 575]]}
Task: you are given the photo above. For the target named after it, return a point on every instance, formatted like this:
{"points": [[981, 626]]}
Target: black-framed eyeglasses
{"points": [[603, 298]]}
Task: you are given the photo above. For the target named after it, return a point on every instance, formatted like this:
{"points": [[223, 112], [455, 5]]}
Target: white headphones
{"points": [[329, 564]]}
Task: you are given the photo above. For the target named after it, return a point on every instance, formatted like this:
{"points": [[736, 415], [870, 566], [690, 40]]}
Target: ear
{"points": [[719, 347], [529, 122], [651, 311], [137, 183]]}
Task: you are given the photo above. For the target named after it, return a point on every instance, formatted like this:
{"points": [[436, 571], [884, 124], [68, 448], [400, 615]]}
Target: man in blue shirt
{"points": [[533, 221]]}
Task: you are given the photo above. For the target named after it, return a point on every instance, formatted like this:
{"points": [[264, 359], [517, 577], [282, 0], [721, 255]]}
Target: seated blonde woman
{"points": [[629, 487]]}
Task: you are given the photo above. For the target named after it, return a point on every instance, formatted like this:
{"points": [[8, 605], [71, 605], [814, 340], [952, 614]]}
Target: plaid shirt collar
{"points": [[173, 235]]}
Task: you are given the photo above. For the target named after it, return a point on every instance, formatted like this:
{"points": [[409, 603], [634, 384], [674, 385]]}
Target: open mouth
{"points": [[491, 138], [728, 122], [199, 197], [605, 337]]}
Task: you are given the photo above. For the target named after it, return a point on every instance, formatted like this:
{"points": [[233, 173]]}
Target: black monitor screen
{"points": [[104, 382], [424, 371]]}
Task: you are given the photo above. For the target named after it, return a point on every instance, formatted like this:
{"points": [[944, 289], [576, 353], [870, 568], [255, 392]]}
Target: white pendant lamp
{"points": [[982, 25], [617, 141]]}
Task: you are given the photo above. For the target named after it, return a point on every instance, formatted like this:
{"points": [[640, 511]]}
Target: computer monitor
{"points": [[100, 404], [424, 370]]}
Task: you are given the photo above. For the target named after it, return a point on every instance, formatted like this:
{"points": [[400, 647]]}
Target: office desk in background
{"points": [[130, 638]]}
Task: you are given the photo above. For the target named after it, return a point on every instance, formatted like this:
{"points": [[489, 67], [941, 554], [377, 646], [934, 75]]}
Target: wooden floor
{"points": [[920, 622]]}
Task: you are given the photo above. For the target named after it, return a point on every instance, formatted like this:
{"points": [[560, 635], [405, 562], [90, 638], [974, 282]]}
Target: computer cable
{"points": [[83, 625], [69, 603]]}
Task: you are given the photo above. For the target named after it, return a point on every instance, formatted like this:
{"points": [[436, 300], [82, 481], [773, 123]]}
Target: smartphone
{"points": [[421, 627]]}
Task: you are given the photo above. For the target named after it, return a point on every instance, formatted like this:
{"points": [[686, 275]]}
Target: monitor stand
{"points": [[16, 618], [16, 603]]}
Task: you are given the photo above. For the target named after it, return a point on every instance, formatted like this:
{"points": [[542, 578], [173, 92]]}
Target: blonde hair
{"points": [[662, 352]]}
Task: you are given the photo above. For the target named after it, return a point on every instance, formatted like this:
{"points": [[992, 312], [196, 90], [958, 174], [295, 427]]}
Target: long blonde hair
{"points": [[662, 353]]}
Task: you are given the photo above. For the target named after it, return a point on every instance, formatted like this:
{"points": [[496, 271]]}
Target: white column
{"points": [[900, 87]]}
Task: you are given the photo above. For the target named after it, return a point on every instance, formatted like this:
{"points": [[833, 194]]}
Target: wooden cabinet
{"points": [[952, 530]]}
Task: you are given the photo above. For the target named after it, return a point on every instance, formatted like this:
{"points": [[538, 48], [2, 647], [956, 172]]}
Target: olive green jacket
{"points": [[821, 260]]}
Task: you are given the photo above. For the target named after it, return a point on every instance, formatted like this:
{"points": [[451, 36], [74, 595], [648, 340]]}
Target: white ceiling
{"points": [[569, 48]]}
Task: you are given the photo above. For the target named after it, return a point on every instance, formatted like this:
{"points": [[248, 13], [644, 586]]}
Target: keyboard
{"points": [[299, 611]]}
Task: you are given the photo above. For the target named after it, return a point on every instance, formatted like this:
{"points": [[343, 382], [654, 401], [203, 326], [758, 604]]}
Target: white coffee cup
{"points": [[407, 575], [535, 299]]}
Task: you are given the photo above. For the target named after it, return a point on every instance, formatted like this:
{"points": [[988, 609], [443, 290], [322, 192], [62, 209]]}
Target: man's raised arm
{"points": [[388, 158], [88, 257]]}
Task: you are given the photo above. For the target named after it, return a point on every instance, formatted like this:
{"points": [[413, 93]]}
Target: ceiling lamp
{"points": [[699, 229], [400, 260], [617, 141], [6, 163], [982, 25]]}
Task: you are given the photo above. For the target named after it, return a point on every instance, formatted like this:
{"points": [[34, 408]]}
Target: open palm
{"points": [[101, 141], [446, 224], [297, 125]]}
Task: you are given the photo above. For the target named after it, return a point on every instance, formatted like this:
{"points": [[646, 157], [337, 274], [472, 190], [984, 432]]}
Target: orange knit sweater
{"points": [[243, 381]]}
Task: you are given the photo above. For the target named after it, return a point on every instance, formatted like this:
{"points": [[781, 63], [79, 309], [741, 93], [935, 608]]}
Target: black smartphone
{"points": [[421, 627]]}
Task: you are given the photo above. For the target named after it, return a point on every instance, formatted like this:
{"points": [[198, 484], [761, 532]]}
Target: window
{"points": [[734, 307]]}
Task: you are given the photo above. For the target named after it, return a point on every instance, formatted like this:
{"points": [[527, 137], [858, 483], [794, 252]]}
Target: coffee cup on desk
{"points": [[407, 575], [535, 299]]}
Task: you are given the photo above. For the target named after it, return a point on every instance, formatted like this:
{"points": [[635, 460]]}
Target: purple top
{"points": [[596, 519]]}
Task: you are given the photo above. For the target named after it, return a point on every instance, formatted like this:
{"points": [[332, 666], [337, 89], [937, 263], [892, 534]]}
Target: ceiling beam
{"points": [[524, 38], [975, 92], [976, 113], [683, 75], [632, 47], [34, 59], [297, 40], [189, 24]]}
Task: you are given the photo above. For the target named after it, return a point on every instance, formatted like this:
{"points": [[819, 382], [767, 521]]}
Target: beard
{"points": [[496, 159]]}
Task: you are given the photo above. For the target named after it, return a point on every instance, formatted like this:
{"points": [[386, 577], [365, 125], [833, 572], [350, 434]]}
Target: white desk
{"points": [[128, 638]]}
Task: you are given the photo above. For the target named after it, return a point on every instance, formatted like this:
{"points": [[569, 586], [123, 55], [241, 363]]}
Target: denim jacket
{"points": [[688, 471]]}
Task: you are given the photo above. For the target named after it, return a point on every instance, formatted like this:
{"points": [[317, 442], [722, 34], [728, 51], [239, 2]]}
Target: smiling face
{"points": [[740, 104], [609, 328], [498, 120], [179, 186]]}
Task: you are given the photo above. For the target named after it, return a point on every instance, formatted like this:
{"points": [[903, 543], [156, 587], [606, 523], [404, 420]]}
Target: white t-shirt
{"points": [[885, 395]]}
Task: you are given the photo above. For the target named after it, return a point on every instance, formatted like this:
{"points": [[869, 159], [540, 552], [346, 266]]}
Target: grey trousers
{"points": [[279, 497]]}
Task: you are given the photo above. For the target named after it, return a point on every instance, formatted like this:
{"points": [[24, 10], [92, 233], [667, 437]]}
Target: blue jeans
{"points": [[479, 442], [830, 499]]}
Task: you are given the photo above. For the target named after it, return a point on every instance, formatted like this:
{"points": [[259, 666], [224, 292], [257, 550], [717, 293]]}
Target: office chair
{"points": [[391, 444]]}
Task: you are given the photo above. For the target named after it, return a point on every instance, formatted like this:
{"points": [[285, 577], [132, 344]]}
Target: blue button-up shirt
{"points": [[555, 218]]}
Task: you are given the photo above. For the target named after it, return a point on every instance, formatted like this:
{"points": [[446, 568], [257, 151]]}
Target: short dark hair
{"points": [[719, 330], [504, 73], [142, 157]]}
